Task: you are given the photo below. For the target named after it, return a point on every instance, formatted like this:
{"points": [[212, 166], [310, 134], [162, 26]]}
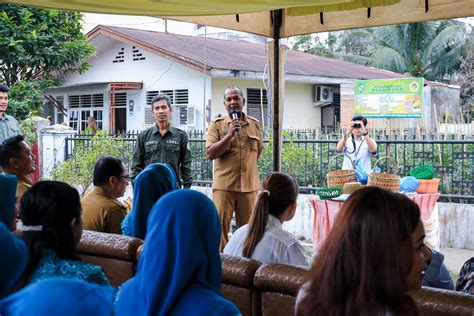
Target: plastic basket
{"points": [[423, 172], [337, 178], [384, 180], [328, 193]]}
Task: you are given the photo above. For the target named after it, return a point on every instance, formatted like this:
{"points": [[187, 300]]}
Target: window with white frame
{"points": [[183, 113], [85, 105]]}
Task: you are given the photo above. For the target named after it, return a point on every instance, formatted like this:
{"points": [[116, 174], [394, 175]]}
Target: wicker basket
{"points": [[328, 193], [337, 178], [384, 180]]}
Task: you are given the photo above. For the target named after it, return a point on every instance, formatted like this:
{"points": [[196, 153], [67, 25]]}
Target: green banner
{"points": [[389, 97]]}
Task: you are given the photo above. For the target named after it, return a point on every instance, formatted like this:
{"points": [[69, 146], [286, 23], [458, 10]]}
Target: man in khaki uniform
{"points": [[16, 158], [101, 211], [235, 145]]}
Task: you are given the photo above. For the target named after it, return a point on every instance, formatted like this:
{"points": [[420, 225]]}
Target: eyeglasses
{"points": [[127, 177]]}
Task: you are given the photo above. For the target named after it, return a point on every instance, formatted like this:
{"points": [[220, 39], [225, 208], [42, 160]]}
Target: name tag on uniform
{"points": [[172, 141], [151, 142]]}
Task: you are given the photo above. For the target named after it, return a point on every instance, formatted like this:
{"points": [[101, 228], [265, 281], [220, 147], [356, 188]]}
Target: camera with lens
{"points": [[356, 125]]}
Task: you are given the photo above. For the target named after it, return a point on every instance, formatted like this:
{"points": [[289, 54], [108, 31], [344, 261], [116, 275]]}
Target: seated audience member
{"points": [[101, 211], [16, 158], [60, 297], [465, 281], [12, 250], [263, 238], [52, 227], [437, 274], [8, 205], [373, 257], [151, 184], [179, 271], [14, 259]]}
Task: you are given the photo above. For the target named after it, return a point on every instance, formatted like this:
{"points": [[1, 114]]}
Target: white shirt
{"points": [[361, 152], [276, 245]]}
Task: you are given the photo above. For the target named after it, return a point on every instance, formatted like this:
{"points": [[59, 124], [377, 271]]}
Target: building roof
{"points": [[206, 53]]}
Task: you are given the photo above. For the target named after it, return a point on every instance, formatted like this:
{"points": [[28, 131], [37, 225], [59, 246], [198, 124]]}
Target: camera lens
{"points": [[357, 125]]}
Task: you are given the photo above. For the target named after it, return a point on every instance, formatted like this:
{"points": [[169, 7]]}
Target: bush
{"points": [[78, 170]]}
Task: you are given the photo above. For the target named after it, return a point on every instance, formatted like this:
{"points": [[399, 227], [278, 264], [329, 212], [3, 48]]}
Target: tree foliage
{"points": [[433, 50], [36, 44]]}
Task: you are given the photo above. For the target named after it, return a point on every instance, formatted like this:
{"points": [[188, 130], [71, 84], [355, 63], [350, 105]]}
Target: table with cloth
{"points": [[326, 210]]}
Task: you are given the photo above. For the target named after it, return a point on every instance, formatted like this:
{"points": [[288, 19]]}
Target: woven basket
{"points": [[328, 193], [384, 180], [337, 178]]}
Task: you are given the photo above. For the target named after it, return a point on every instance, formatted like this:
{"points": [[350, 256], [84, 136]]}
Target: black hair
{"points": [[50, 206], [279, 191], [106, 167], [3, 88], [10, 148], [160, 97], [360, 118]]}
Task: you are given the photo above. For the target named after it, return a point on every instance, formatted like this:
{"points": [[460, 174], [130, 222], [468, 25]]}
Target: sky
{"points": [[91, 20]]}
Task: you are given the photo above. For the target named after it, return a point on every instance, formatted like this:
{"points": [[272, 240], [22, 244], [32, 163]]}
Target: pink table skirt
{"points": [[325, 211]]}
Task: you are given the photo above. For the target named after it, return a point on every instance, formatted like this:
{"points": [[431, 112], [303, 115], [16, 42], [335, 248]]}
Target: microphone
{"points": [[235, 116]]}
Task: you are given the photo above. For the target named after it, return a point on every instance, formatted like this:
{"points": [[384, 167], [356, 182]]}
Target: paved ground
{"points": [[455, 258]]}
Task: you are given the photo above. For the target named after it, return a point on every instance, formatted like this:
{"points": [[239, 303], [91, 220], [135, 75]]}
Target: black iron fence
{"points": [[306, 155]]}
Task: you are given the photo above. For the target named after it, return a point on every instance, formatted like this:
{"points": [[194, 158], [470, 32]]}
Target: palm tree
{"points": [[432, 50]]}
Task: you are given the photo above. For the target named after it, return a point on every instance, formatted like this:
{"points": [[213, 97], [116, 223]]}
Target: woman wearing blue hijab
{"points": [[12, 250], [179, 272], [8, 197], [60, 297], [152, 183], [14, 259]]}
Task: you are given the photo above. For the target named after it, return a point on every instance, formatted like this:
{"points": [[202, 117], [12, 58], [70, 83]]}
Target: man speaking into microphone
{"points": [[235, 143]]}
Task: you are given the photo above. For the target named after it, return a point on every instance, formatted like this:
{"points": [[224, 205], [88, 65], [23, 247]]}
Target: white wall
{"points": [[298, 111], [155, 72]]}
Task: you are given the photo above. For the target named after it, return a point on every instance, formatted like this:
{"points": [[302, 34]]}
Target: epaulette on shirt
{"points": [[218, 118], [252, 118]]}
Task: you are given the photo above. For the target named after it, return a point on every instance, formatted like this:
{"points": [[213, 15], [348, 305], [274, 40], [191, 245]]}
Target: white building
{"points": [[131, 66]]}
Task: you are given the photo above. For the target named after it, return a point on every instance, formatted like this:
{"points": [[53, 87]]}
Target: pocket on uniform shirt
{"points": [[171, 152], [150, 149], [254, 142]]}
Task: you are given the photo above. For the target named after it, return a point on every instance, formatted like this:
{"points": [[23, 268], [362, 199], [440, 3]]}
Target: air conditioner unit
{"points": [[323, 94]]}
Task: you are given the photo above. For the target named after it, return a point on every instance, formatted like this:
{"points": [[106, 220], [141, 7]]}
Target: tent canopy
{"points": [[254, 16]]}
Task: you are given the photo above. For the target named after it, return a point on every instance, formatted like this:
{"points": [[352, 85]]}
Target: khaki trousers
{"points": [[226, 203]]}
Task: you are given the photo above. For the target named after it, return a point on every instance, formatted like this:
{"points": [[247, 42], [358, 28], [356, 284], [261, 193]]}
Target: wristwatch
{"points": [[366, 133]]}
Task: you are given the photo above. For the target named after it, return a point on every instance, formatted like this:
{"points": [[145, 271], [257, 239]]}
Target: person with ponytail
{"points": [[263, 238]]}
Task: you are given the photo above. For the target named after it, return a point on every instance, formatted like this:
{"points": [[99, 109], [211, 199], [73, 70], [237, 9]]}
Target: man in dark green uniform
{"points": [[163, 143]]}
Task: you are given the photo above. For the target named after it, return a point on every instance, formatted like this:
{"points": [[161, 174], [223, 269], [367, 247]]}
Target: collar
{"points": [[157, 130], [103, 192], [4, 117], [274, 221]]}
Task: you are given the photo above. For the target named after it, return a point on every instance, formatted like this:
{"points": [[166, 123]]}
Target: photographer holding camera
{"points": [[357, 144]]}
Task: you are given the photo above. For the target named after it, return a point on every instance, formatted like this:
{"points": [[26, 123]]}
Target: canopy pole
{"points": [[277, 19]]}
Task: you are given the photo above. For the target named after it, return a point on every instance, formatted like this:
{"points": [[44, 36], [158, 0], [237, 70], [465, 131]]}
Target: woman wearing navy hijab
{"points": [[60, 296], [151, 184], [179, 272], [13, 251]]}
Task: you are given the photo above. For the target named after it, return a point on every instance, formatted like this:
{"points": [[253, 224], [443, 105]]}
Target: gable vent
{"points": [[137, 55], [120, 58]]}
